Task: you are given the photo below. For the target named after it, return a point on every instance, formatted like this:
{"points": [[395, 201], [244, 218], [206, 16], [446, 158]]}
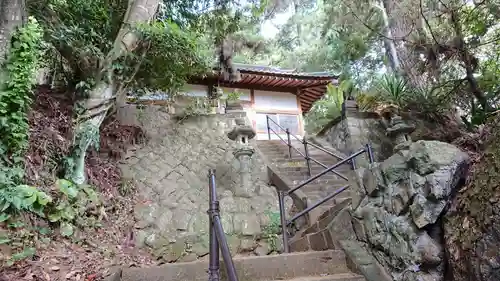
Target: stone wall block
{"points": [[171, 170]]}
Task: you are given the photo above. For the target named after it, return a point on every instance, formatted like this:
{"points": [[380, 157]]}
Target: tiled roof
{"points": [[308, 86], [248, 68]]}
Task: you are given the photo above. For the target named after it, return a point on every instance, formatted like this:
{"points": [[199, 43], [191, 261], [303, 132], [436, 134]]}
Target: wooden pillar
{"points": [[301, 121], [252, 106]]}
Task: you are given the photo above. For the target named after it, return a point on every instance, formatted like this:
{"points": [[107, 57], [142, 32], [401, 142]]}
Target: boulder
{"points": [[406, 197]]}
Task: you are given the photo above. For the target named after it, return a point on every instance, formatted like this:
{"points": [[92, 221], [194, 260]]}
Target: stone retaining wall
{"points": [[354, 130], [170, 173]]}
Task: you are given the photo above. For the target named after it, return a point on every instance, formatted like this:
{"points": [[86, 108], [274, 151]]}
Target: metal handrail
{"points": [[281, 195], [306, 155], [347, 159], [217, 237], [324, 150], [315, 205]]}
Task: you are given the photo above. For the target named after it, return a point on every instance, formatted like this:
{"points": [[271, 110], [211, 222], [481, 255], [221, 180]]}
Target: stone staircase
{"points": [[316, 251], [295, 171], [305, 266], [329, 223]]}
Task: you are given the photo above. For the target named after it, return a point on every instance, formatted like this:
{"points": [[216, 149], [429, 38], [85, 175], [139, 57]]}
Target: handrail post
{"points": [[370, 153], [308, 159], [353, 163], [268, 127], [289, 143], [224, 247], [284, 232], [214, 263]]}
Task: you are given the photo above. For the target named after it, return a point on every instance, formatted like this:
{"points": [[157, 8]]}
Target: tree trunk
{"points": [[297, 24], [12, 15], [390, 47], [467, 58], [402, 20], [102, 96]]}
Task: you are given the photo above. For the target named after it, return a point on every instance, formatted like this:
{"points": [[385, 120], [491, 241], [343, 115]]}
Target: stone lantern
{"points": [[242, 134], [400, 132]]}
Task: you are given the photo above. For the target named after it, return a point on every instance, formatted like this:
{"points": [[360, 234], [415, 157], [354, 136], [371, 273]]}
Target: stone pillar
{"points": [[244, 156], [242, 134]]}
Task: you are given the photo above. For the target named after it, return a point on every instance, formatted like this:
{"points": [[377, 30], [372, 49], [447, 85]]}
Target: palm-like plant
{"points": [[393, 89], [329, 107]]}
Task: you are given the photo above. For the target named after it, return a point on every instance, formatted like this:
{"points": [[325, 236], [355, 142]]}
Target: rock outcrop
{"points": [[398, 205]]}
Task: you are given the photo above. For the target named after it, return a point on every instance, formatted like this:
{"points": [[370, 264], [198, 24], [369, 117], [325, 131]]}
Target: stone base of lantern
{"points": [[245, 189], [244, 151]]}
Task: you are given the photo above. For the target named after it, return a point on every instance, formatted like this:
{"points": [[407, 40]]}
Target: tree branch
{"points": [[428, 24], [403, 38]]}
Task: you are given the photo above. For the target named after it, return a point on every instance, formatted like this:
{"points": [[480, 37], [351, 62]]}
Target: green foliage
{"points": [[82, 31], [234, 95], [25, 253], [366, 101], [15, 92], [393, 89], [16, 198], [22, 239], [328, 108], [72, 203], [433, 101], [15, 100], [272, 230], [168, 55]]}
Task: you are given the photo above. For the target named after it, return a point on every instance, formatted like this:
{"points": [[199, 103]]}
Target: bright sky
{"points": [[271, 27]]}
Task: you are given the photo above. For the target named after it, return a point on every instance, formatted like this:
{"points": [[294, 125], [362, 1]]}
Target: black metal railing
{"points": [[217, 238], [327, 169], [306, 145]]}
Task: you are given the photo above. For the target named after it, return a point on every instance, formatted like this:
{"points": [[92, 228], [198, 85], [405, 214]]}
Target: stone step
{"points": [[336, 277], [273, 267], [295, 146], [317, 237], [315, 195], [299, 159], [296, 177], [322, 188], [298, 145], [300, 176], [315, 168], [283, 156], [324, 220], [319, 187]]}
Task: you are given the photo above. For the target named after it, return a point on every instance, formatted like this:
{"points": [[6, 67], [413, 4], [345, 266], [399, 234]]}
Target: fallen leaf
{"points": [[71, 274], [46, 276], [465, 224], [55, 268], [91, 277]]}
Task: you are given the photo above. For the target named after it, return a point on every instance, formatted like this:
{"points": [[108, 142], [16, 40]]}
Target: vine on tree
{"points": [[16, 93], [15, 102]]}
